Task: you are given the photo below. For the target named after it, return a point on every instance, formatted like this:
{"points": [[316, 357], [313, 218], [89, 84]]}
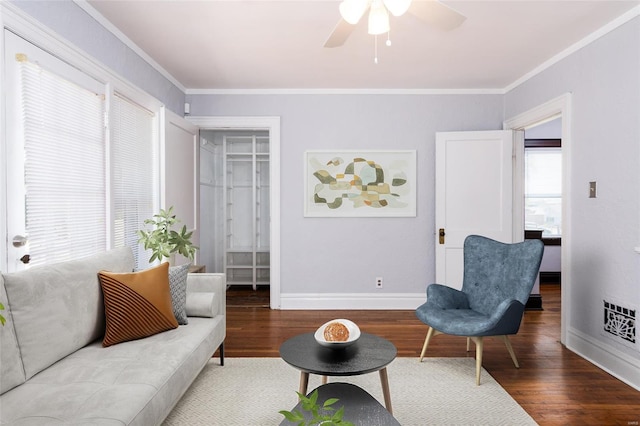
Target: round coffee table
{"points": [[368, 354]]}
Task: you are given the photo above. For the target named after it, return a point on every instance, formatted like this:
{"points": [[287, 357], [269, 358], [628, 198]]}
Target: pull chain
{"points": [[375, 58], [388, 43]]}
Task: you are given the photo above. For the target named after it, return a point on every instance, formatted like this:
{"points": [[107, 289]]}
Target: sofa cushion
{"points": [[136, 304], [202, 305], [133, 383], [58, 309], [11, 368], [213, 286], [178, 287]]}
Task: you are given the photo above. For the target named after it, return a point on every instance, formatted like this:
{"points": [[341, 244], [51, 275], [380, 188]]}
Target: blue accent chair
{"points": [[497, 281]]}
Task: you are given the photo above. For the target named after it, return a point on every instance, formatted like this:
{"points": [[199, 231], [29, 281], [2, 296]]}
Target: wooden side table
{"points": [[197, 269], [370, 353]]}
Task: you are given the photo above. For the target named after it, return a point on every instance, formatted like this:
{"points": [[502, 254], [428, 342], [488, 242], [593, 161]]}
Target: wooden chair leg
{"points": [[479, 344], [432, 332], [468, 343], [507, 342]]}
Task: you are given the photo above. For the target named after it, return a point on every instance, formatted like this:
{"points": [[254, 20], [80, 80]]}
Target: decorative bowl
{"points": [[354, 334]]}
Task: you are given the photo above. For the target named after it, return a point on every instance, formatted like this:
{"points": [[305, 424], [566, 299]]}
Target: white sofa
{"points": [[54, 369]]}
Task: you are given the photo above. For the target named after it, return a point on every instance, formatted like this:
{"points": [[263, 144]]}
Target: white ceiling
{"points": [[239, 44]]}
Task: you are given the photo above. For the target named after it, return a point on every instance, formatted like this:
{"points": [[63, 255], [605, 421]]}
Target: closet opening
{"points": [[235, 211]]}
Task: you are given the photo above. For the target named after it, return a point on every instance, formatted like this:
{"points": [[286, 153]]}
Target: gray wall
{"points": [[344, 255], [74, 24], [604, 78]]}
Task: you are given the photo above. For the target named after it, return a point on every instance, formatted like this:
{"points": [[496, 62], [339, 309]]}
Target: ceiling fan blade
{"points": [[436, 14], [340, 34]]}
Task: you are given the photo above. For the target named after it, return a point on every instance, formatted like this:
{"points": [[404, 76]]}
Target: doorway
{"points": [[245, 125], [543, 201], [234, 194], [558, 108]]}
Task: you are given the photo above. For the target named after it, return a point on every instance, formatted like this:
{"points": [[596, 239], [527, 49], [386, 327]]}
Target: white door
{"points": [[474, 175], [181, 171]]}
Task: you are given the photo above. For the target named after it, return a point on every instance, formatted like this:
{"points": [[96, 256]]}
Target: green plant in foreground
{"points": [[310, 404], [2, 320], [163, 241]]}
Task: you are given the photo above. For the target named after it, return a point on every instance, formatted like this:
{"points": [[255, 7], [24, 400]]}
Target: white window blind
{"points": [[134, 179], [63, 126]]}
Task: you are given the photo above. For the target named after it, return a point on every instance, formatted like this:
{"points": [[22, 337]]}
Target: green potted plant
{"points": [[324, 415], [163, 241]]}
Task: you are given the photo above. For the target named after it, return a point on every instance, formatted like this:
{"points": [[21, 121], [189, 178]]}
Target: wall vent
{"points": [[620, 321]]}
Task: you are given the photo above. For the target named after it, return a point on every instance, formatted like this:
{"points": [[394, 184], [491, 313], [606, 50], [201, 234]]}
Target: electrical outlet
{"points": [[378, 282]]}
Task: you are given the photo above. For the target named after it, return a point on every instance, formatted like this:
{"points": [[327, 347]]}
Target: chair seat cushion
{"points": [[458, 322], [467, 322]]}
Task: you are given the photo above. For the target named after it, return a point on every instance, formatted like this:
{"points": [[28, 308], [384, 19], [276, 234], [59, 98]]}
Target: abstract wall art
{"points": [[360, 183]]}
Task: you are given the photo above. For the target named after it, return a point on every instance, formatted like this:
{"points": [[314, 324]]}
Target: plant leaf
{"points": [[329, 402], [338, 414], [295, 416]]}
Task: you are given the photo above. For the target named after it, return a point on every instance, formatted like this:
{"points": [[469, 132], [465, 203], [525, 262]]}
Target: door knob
{"points": [[19, 241], [441, 235], [25, 259]]}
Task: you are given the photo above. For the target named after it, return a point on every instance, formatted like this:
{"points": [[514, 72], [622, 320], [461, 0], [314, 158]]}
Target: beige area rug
{"points": [[438, 391]]}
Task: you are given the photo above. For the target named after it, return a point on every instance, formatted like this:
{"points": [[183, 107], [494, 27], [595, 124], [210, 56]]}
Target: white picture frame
{"points": [[360, 183]]}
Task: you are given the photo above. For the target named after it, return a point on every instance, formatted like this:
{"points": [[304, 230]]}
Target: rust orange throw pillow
{"points": [[136, 304]]}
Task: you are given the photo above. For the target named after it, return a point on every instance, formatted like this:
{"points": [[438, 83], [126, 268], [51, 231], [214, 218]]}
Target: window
{"points": [[64, 167], [543, 187], [134, 172], [82, 162]]}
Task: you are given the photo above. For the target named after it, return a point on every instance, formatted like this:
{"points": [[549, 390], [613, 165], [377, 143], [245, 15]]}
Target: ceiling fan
{"points": [[431, 12]]}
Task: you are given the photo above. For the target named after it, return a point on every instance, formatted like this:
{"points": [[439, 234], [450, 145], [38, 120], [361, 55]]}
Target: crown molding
{"points": [[91, 11], [344, 91], [619, 21], [19, 22]]}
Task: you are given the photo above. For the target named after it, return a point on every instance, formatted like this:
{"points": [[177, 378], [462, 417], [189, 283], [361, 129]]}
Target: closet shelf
{"points": [[246, 184]]}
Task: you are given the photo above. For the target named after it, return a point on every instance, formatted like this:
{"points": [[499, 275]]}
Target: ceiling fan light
{"points": [[397, 7], [378, 18], [352, 10]]}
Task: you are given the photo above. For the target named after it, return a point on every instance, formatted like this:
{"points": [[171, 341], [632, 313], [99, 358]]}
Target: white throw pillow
{"points": [[201, 305]]}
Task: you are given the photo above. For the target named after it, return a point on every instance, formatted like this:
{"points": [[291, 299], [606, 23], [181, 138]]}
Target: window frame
{"points": [[544, 143], [16, 21]]}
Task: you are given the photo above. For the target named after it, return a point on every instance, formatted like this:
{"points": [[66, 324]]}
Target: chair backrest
{"points": [[495, 271]]}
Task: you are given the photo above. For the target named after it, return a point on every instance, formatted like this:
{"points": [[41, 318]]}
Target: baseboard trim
{"points": [[550, 278], [534, 303], [343, 301], [615, 362]]}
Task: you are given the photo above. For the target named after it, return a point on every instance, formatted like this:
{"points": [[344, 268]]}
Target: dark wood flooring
{"points": [[554, 385]]}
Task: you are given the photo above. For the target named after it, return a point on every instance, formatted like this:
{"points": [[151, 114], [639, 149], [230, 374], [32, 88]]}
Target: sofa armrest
{"points": [[203, 285]]}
